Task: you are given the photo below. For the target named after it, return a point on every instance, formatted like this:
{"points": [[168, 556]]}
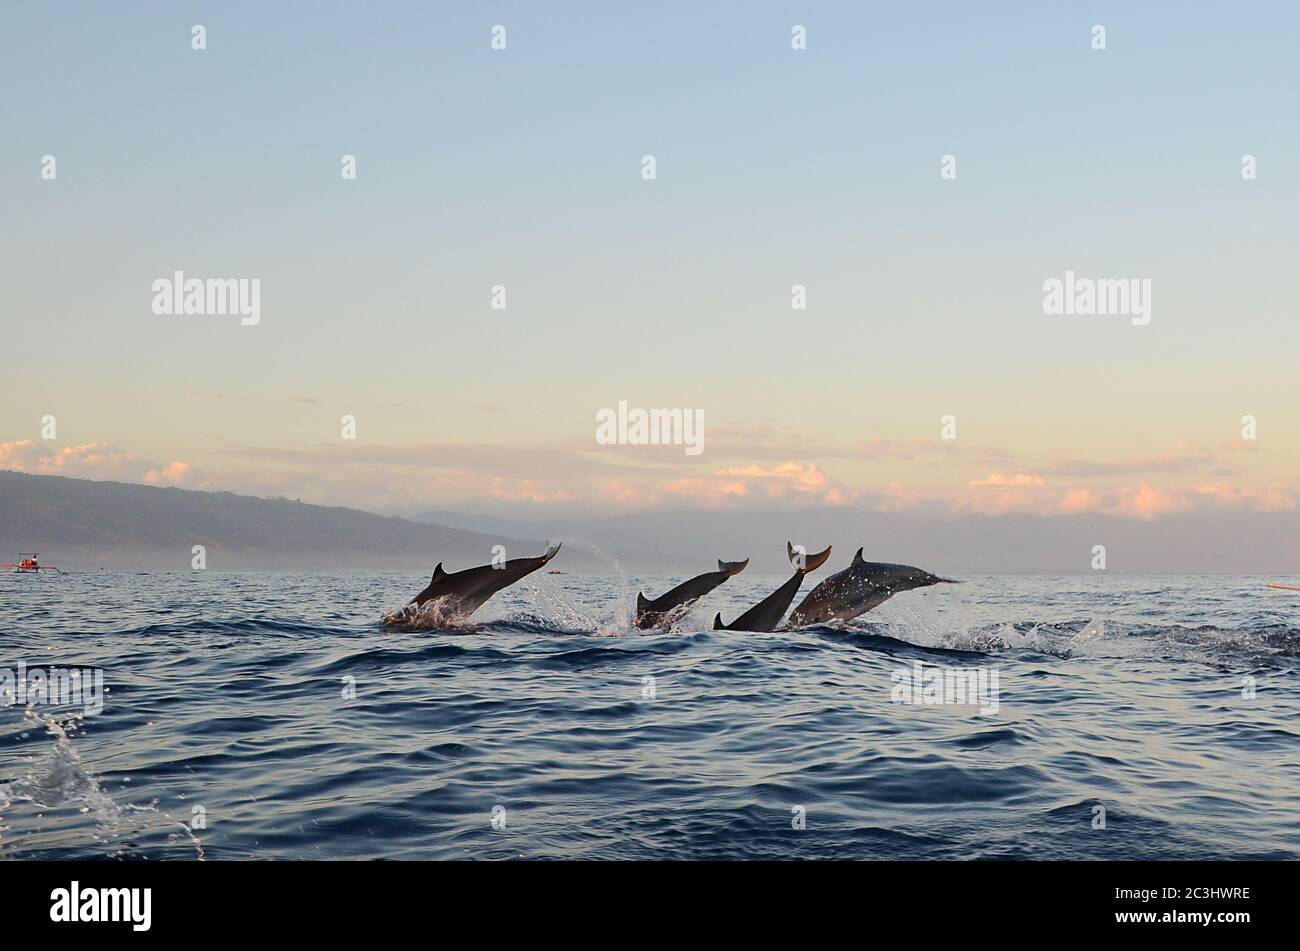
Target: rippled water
{"points": [[227, 696]]}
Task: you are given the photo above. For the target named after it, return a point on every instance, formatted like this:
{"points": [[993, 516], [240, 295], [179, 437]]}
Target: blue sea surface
{"points": [[273, 716]]}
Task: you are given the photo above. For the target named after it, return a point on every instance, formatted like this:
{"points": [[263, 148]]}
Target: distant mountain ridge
{"points": [[82, 524]]}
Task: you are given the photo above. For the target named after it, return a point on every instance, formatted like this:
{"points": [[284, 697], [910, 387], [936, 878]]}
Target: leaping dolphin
{"points": [[767, 614], [461, 593], [656, 613], [857, 589]]}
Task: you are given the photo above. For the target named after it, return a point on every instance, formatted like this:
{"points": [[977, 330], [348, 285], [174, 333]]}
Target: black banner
{"points": [[942, 901]]}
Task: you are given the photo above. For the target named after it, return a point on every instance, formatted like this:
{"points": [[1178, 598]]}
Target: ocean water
{"points": [[271, 716]]}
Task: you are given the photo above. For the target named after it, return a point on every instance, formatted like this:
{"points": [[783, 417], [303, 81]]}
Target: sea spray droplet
{"points": [[1091, 631]]}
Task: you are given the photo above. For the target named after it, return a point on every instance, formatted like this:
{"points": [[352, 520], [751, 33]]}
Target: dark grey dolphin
{"points": [[461, 593], [656, 613], [767, 614], [857, 589]]}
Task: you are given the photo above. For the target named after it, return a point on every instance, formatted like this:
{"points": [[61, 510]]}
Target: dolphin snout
{"points": [[938, 580]]}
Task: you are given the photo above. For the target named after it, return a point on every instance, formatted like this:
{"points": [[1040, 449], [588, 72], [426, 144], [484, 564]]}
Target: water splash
{"points": [[56, 782], [434, 615], [556, 605]]}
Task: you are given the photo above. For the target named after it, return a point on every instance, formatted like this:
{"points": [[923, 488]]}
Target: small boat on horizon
{"points": [[29, 562]]}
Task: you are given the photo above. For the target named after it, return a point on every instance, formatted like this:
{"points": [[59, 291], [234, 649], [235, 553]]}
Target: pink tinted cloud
{"points": [[787, 483], [93, 461], [1002, 494], [791, 476], [174, 473], [1021, 480]]}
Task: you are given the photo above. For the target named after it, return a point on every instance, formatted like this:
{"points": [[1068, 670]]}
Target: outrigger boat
{"points": [[29, 562]]}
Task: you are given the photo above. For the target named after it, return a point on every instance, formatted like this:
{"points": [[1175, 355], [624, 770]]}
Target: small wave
{"points": [[384, 657], [594, 656], [990, 738], [238, 626]]}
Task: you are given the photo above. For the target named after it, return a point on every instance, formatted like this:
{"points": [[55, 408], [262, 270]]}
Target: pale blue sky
{"points": [[775, 167]]}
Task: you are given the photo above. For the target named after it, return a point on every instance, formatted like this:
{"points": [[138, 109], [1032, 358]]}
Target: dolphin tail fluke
{"points": [[732, 567], [717, 622], [810, 562]]}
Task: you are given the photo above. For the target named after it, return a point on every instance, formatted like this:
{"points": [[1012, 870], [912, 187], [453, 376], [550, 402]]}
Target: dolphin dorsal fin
{"points": [[717, 622], [438, 572], [641, 602], [858, 557]]}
